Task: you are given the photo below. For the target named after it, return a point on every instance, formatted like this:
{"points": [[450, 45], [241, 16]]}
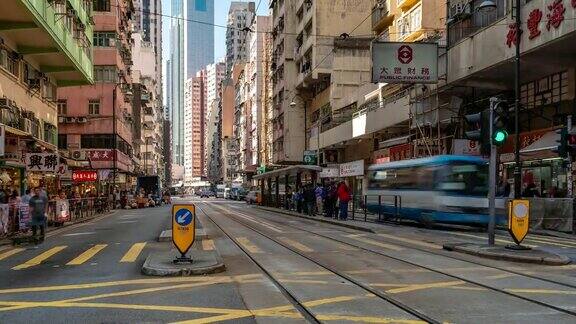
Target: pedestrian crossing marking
{"points": [[10, 253], [297, 245], [248, 245], [87, 255], [40, 258], [208, 245], [133, 253], [373, 242]]}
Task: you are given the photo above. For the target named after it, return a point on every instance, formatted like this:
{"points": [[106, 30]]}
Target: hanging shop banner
{"points": [[44, 162], [466, 147], [352, 169], [329, 173], [62, 211], [404, 62], [85, 176], [24, 216]]}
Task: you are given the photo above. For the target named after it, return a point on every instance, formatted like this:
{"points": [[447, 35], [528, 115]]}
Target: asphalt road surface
{"points": [[280, 269]]}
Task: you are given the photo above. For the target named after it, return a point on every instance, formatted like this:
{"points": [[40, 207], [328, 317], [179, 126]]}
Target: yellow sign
{"points": [[183, 226], [518, 219]]}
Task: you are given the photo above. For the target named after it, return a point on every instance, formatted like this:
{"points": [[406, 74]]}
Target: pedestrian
{"points": [[26, 198], [309, 200], [38, 207], [531, 191], [297, 200], [288, 198], [343, 197], [319, 192]]}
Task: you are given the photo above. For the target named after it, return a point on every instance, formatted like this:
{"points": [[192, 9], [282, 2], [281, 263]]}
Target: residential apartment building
{"points": [[194, 128], [96, 121], [148, 21], [215, 74], [229, 147], [241, 122], [48, 48], [240, 17]]}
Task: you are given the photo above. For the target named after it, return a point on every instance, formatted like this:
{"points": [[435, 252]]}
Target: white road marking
{"points": [[80, 234]]}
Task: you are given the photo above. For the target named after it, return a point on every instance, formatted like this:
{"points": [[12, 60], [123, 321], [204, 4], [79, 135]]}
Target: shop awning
{"points": [[291, 170], [542, 148]]}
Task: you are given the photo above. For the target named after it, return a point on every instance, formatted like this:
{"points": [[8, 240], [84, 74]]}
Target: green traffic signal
{"points": [[499, 137]]}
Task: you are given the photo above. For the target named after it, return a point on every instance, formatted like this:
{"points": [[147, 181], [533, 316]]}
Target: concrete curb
{"points": [[205, 262], [55, 230], [500, 253], [318, 219]]}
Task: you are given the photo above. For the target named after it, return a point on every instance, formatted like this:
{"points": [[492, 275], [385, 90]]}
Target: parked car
{"points": [[252, 197], [206, 194]]}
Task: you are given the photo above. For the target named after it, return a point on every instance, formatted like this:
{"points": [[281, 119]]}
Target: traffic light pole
{"points": [[492, 169], [569, 173]]}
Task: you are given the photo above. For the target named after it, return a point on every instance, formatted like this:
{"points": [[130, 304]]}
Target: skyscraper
{"points": [[199, 35], [176, 82]]}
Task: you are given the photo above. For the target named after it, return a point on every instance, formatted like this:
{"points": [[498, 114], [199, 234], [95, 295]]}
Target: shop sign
{"points": [[466, 147], [85, 176], [310, 158], [43, 162], [62, 211], [24, 216], [352, 169], [404, 62], [401, 152], [329, 173], [100, 155], [104, 174]]}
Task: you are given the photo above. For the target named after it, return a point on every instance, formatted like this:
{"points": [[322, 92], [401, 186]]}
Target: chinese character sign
{"points": [[101, 155], [43, 162], [85, 176], [404, 62]]}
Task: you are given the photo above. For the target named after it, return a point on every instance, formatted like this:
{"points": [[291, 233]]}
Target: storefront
{"points": [[353, 174]]}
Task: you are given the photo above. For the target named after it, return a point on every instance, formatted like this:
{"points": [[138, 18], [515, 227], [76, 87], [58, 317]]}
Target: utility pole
{"points": [[517, 166], [492, 169]]}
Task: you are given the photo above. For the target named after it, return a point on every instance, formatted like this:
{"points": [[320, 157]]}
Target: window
{"points": [[200, 5], [94, 107], [62, 141], [101, 5], [97, 141], [105, 39], [62, 107], [105, 73]]}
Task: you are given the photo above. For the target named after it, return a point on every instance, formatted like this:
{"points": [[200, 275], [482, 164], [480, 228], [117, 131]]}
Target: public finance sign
{"points": [[404, 62], [183, 226]]}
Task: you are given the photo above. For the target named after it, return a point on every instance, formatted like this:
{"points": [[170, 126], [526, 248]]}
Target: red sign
{"points": [[85, 176], [556, 14], [401, 152], [511, 36], [405, 54], [534, 19], [100, 155]]}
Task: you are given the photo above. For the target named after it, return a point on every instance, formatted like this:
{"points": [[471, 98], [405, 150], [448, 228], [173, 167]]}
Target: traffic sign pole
{"points": [[183, 229]]}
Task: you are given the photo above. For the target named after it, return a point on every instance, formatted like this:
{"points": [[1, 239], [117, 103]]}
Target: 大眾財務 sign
{"points": [[404, 62]]}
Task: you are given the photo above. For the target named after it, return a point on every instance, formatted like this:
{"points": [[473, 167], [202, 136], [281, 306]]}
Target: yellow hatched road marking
{"points": [[40, 258], [248, 245], [10, 253], [416, 287], [87, 255], [297, 245], [133, 253], [410, 241], [365, 319], [373, 242], [542, 291], [208, 245]]}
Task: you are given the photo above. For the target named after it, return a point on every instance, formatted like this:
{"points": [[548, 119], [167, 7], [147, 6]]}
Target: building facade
{"points": [[176, 79], [215, 74], [199, 35], [240, 18], [96, 121], [39, 55], [194, 128]]}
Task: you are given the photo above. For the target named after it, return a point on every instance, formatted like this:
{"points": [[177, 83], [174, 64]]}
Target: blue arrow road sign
{"points": [[183, 217]]}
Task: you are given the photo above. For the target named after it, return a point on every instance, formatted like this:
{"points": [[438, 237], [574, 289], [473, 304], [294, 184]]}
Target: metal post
{"points": [[365, 209], [115, 139], [492, 178], [517, 166], [569, 178], [379, 208]]}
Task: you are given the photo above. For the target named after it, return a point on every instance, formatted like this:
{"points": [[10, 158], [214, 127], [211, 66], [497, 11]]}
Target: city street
{"points": [[279, 269]]}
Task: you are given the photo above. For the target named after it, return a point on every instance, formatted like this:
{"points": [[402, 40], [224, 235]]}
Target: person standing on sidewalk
{"points": [[38, 206], [319, 191], [344, 197]]}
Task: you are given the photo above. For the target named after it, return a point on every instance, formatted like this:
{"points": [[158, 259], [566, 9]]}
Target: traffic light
{"points": [[480, 123], [562, 148], [500, 123]]}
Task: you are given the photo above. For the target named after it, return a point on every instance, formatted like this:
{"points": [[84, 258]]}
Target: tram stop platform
{"points": [[500, 252]]}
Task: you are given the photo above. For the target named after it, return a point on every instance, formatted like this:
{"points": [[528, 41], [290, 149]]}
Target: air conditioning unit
{"points": [[61, 120], [82, 120], [70, 119], [78, 155]]}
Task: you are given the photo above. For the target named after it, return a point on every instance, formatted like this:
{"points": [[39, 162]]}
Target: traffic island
{"points": [[502, 253], [162, 264]]}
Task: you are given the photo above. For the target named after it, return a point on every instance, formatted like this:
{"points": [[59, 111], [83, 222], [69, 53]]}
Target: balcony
{"points": [[409, 26], [381, 16], [405, 4]]}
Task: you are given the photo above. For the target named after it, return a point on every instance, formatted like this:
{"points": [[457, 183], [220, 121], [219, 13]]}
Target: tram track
{"points": [[305, 311], [382, 254]]}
